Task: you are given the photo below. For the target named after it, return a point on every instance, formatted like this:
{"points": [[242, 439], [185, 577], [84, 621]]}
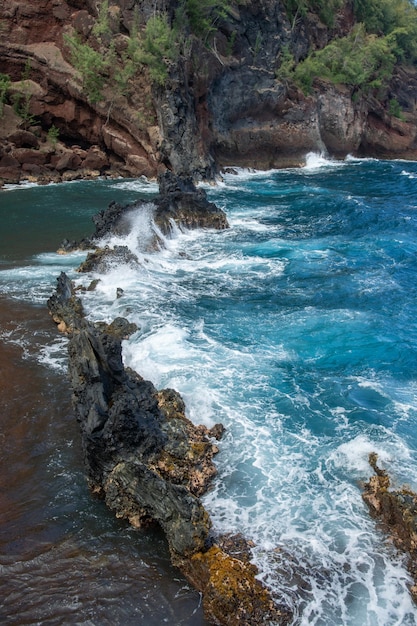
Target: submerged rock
{"points": [[151, 464], [397, 509]]}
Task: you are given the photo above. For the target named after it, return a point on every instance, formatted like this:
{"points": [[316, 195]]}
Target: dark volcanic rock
{"points": [[133, 434], [151, 464], [102, 259], [179, 200]]}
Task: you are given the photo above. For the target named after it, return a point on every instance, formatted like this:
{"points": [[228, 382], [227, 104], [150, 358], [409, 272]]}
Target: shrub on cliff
{"points": [[325, 9], [202, 15], [158, 46], [91, 64], [359, 60], [5, 83], [397, 18]]}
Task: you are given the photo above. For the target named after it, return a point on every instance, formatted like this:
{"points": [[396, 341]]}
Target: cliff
{"points": [[81, 97]]}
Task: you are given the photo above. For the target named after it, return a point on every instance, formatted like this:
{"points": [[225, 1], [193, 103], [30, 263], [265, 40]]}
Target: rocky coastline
{"points": [[142, 455]]}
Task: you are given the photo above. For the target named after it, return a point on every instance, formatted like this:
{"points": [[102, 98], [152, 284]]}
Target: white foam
{"points": [[17, 186], [143, 185], [315, 161], [289, 465], [410, 175], [55, 356], [244, 173]]}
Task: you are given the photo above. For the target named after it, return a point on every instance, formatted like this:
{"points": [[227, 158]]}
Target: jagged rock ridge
{"points": [[151, 464], [142, 455], [397, 511]]}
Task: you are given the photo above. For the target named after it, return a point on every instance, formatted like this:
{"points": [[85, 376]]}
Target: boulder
{"points": [[24, 139], [27, 155], [68, 161], [7, 160], [95, 159], [10, 175]]}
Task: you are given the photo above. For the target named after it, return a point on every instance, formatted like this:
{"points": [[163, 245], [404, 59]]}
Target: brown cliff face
{"points": [[221, 103], [109, 136]]}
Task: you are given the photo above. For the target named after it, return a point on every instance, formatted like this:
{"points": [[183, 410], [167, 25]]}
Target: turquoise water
{"points": [[296, 328]]}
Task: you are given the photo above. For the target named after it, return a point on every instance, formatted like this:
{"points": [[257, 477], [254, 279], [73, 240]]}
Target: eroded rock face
{"points": [[221, 104], [33, 43]]}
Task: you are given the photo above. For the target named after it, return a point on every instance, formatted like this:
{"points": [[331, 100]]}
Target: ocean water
{"points": [[295, 328]]}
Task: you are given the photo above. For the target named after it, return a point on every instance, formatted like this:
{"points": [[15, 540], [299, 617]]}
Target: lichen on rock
{"points": [[397, 510]]}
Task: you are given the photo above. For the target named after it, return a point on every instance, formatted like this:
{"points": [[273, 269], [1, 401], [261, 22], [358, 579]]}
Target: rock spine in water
{"points": [[142, 454]]}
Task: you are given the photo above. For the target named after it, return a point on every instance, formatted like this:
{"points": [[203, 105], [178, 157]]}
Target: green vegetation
{"points": [[27, 70], [92, 66], [21, 99], [158, 46], [21, 105], [102, 26], [394, 109], [53, 134], [385, 34], [231, 43], [202, 15], [4, 87], [359, 60], [155, 47], [325, 9], [397, 18]]}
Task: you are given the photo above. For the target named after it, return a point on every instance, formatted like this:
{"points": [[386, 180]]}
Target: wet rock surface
{"points": [[397, 511], [151, 464], [179, 202]]}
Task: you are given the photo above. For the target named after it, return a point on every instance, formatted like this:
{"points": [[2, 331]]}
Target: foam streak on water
{"points": [[296, 329]]}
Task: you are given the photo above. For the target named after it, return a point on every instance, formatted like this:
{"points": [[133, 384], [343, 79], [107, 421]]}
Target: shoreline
{"points": [[311, 159]]}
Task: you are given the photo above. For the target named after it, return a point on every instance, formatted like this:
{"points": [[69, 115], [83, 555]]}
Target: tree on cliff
{"points": [[385, 34]]}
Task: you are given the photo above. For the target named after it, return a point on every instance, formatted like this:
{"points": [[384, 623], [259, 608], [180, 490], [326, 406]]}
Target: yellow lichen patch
{"points": [[230, 589]]}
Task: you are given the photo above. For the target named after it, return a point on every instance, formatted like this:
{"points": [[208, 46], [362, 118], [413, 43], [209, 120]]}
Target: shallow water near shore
{"points": [[295, 328]]}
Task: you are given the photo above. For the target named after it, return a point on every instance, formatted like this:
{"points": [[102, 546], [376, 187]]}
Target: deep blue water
{"points": [[296, 328]]}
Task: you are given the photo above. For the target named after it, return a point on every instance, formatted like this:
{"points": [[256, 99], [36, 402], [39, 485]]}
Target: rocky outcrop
{"points": [[143, 456], [397, 510], [151, 464], [179, 202]]}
